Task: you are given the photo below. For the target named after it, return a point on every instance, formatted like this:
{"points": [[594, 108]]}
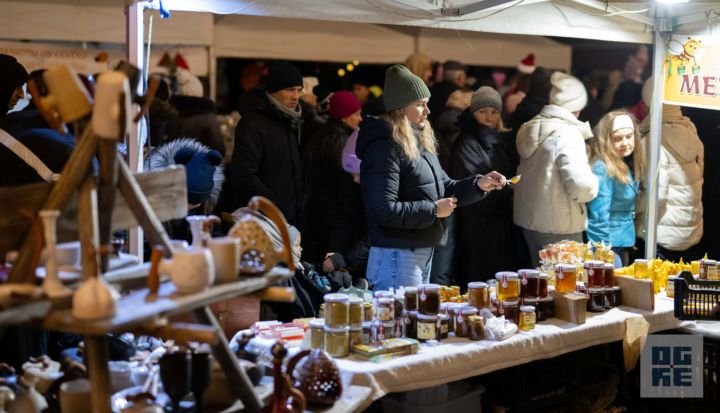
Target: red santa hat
{"points": [[527, 65]]}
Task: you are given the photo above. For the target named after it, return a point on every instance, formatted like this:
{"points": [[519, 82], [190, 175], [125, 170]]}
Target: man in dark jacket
{"points": [[454, 77], [12, 78], [266, 156]]}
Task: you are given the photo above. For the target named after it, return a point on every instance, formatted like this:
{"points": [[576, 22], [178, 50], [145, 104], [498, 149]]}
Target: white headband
{"points": [[622, 122]]}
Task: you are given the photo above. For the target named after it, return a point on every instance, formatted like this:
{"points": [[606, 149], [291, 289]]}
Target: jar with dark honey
{"points": [[549, 307], [510, 310], [596, 300], [478, 294], [461, 316], [427, 328], [608, 275], [411, 298], [411, 324], [539, 305], [529, 283], [443, 321], [543, 285], [476, 327], [429, 299], [595, 271]]}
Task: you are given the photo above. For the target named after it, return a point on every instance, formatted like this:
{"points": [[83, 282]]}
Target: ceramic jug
{"points": [[257, 251], [200, 228], [318, 378], [191, 270]]}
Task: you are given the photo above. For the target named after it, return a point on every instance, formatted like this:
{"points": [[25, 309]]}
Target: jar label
{"points": [[460, 319], [384, 314], [591, 271], [561, 275], [524, 280], [426, 331], [504, 284], [423, 297]]}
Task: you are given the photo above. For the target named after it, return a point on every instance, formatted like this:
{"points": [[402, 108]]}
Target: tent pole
{"points": [[655, 142], [134, 40], [212, 72]]}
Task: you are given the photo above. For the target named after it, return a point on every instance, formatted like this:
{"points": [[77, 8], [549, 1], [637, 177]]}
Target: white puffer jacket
{"points": [[680, 180], [557, 179]]}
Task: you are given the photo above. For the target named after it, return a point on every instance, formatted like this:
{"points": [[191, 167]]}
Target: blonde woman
{"points": [[618, 167], [406, 193]]}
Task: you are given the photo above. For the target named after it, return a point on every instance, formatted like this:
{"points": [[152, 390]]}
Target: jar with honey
{"points": [[543, 285], [608, 275], [641, 268], [427, 327], [356, 312], [510, 310], [317, 333], [476, 327], [508, 285], [566, 276], [429, 299], [337, 310], [529, 283], [411, 324], [337, 341], [478, 294], [411, 298], [596, 302], [443, 321], [461, 318], [595, 271], [384, 309], [527, 318]]}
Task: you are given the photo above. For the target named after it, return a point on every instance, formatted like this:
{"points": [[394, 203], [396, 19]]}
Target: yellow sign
{"points": [[692, 71]]}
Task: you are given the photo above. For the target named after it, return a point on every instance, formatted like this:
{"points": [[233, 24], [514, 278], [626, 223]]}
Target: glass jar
{"points": [[596, 300], [695, 267], [508, 286], [317, 333], [529, 283], [368, 312], [411, 298], [476, 327], [617, 292], [527, 318], [478, 294], [356, 312], [713, 271], [595, 271], [539, 305], [510, 310], [641, 268], [608, 275], [367, 332], [566, 278], [399, 306], [451, 314], [461, 316], [703, 273], [337, 310], [355, 336], [411, 324], [384, 310], [549, 307], [337, 341], [543, 285], [443, 320], [428, 299], [670, 289], [427, 327], [388, 330], [321, 312]]}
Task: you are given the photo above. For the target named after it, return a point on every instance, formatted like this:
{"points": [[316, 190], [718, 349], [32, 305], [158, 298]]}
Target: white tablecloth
{"points": [[456, 358]]}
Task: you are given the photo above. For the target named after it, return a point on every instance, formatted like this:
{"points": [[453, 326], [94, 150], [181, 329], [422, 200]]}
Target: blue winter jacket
{"points": [[610, 214]]}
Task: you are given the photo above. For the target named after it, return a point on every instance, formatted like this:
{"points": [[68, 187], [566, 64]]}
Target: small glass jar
{"points": [[428, 299], [427, 327], [596, 300], [355, 336], [510, 310], [608, 275], [539, 305], [703, 272], [411, 298], [713, 271], [384, 310], [443, 320], [549, 307], [617, 292], [451, 315], [399, 306], [508, 286], [317, 333], [529, 283], [337, 310], [411, 324], [356, 312], [670, 289], [478, 294], [461, 316], [595, 271], [367, 333], [543, 285], [337, 341], [321, 312], [565, 278], [641, 268], [527, 317], [476, 327], [388, 329], [368, 312]]}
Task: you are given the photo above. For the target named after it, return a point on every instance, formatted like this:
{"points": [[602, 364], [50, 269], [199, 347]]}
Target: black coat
{"points": [[400, 193], [333, 204], [266, 157], [440, 93], [484, 230], [196, 119], [530, 107]]}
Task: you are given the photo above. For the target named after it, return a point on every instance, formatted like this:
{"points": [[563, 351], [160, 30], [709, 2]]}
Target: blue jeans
{"points": [[396, 267]]}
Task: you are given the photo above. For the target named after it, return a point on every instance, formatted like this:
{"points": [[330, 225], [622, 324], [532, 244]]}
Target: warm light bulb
{"points": [[349, 67], [356, 62], [341, 72]]}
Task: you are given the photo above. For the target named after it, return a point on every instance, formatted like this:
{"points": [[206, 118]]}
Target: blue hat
{"points": [[200, 168]]}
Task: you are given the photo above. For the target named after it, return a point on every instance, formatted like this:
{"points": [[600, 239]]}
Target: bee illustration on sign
{"points": [[681, 54]]}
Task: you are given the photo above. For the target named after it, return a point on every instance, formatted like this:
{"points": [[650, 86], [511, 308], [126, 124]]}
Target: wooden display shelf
{"points": [[140, 307]]}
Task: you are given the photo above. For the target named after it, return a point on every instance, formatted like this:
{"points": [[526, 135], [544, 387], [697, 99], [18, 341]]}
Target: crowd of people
{"points": [[413, 185]]}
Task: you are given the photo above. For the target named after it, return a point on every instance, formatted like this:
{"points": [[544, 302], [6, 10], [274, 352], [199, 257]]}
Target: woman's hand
{"points": [[445, 207], [490, 181]]}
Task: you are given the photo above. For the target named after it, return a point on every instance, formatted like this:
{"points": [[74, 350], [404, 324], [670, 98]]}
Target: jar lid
{"points": [[711, 262], [339, 330], [593, 263], [506, 274], [443, 316], [596, 290], [426, 317], [411, 290], [564, 267], [529, 273], [367, 304], [356, 300], [641, 260], [317, 323], [413, 313], [429, 287], [475, 319], [468, 309], [548, 299], [389, 324], [477, 284], [608, 265], [543, 275], [336, 298], [532, 300], [616, 288], [513, 303], [386, 300], [527, 308]]}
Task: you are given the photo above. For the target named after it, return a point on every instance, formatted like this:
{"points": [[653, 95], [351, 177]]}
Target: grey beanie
{"points": [[402, 88], [485, 97]]}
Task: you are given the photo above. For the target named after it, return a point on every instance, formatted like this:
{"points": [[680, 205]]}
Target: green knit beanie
{"points": [[402, 88]]}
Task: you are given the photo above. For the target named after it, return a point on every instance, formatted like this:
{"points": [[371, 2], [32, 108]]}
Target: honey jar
{"points": [[527, 318], [399, 306], [384, 309], [608, 275], [476, 328], [510, 310], [355, 336], [427, 327], [443, 320], [450, 311], [713, 271], [543, 285], [337, 310], [368, 333], [539, 305], [387, 330], [566, 276], [704, 264], [595, 271], [337, 341], [641, 268], [356, 312], [411, 298], [529, 283], [549, 307], [317, 333], [461, 316], [508, 286], [695, 267], [617, 292], [368, 312], [596, 300], [670, 290], [428, 299], [478, 294], [411, 324]]}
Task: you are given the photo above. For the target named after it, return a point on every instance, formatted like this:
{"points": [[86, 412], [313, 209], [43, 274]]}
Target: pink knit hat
{"points": [[350, 161], [343, 104]]}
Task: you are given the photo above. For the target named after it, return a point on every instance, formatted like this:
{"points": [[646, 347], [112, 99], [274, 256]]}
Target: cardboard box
{"points": [[636, 293], [570, 307]]}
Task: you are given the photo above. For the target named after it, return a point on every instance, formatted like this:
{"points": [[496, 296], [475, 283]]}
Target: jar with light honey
{"points": [[337, 341], [337, 310], [356, 312], [527, 318], [508, 285], [565, 278], [641, 268], [317, 333], [478, 294]]}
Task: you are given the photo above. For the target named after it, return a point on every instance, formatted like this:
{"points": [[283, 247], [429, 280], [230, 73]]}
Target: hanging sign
{"points": [[692, 71]]}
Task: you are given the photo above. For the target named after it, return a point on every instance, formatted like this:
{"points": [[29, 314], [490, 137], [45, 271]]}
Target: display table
{"points": [[457, 358]]}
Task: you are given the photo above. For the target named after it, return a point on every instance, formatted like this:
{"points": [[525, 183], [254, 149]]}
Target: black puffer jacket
{"points": [[266, 157], [333, 208], [196, 119], [400, 193]]}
